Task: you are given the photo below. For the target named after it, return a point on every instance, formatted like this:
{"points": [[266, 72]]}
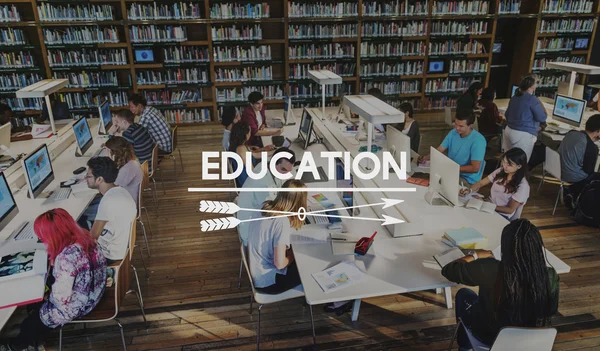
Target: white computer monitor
{"points": [[38, 170], [306, 128], [105, 118], [444, 177], [83, 135], [397, 142], [8, 206], [5, 135], [568, 110]]}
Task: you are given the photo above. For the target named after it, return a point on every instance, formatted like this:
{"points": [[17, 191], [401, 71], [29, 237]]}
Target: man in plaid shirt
{"points": [[153, 121]]}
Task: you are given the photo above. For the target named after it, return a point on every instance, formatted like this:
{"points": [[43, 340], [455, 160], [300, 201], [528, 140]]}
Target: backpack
{"points": [[587, 207]]}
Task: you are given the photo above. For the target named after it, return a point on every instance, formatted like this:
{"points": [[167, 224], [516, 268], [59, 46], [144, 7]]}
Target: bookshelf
{"points": [[212, 53]]}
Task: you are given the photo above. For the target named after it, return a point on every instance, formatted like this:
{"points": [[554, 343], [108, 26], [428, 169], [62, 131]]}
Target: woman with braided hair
{"points": [[517, 289]]}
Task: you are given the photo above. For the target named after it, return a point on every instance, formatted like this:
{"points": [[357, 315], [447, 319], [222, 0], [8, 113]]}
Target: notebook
{"points": [[466, 238], [23, 278], [481, 205], [450, 255]]}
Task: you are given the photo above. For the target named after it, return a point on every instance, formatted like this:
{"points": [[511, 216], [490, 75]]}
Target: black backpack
{"points": [[587, 207]]}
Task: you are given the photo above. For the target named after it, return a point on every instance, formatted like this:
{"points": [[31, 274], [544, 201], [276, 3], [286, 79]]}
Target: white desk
{"points": [[43, 89], [393, 265], [574, 68], [29, 209]]}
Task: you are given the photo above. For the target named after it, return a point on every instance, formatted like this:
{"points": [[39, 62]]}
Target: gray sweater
{"points": [[578, 155]]}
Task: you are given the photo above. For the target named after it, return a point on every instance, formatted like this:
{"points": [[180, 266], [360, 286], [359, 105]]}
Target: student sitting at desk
{"points": [[516, 290], [153, 121], [255, 200], [136, 134], [466, 103], [60, 110], [489, 117], [410, 127], [466, 147], [510, 189], [578, 156], [524, 114], [130, 172], [116, 211], [254, 115], [270, 253], [229, 117], [77, 279], [240, 135]]}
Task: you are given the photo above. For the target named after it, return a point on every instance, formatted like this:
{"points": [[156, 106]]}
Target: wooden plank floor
{"points": [[193, 302]]}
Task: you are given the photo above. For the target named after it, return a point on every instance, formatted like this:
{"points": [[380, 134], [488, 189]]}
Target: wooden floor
{"points": [[193, 302]]}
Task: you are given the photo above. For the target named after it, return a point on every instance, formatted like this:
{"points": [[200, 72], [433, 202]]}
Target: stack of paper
{"points": [[466, 238], [339, 276], [22, 278]]}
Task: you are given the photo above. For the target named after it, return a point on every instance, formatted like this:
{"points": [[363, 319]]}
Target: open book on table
{"points": [[480, 205]]}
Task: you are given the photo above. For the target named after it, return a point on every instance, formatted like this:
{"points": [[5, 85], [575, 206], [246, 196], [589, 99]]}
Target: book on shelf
{"points": [[387, 69], [554, 44], [17, 59], [567, 6], [16, 81], [467, 66], [89, 100], [321, 50], [569, 25], [86, 57], [22, 277], [313, 90], [242, 53], [506, 7], [239, 11], [459, 27], [186, 54], [394, 29], [237, 94], [474, 7], [237, 32], [89, 79], [300, 71], [171, 97], [24, 104], [540, 63], [244, 74], [322, 31], [172, 76], [405, 48], [194, 115], [439, 103], [157, 34], [465, 238], [394, 8], [456, 47], [85, 12], [393, 88], [12, 36], [9, 13], [322, 9], [448, 84], [175, 11], [81, 35]]}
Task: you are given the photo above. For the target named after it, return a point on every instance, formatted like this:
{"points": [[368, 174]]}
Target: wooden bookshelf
{"points": [[355, 36]]}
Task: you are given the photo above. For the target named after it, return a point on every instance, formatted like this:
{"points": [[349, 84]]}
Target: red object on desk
{"points": [[363, 245]]}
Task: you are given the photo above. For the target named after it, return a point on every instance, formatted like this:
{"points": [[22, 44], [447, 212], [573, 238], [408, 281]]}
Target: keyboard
{"points": [[25, 232], [317, 219], [60, 194]]}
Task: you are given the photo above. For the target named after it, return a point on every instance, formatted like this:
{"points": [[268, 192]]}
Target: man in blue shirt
{"points": [[466, 147]]}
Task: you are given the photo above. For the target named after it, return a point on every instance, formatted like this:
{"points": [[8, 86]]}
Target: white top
{"points": [[119, 210], [373, 110], [130, 177], [577, 67], [266, 235], [501, 198], [324, 77], [259, 118]]}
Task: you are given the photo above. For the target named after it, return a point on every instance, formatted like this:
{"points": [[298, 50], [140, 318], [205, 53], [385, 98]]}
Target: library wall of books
{"points": [[191, 58]]}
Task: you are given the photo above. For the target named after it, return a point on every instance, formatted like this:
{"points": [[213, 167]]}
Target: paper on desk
{"points": [[81, 189], [312, 238], [39, 131], [339, 276]]}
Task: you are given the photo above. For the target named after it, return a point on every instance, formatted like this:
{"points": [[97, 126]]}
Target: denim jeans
{"points": [[465, 300]]}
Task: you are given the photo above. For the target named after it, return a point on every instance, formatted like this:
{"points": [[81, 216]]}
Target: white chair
{"points": [[552, 167], [264, 299]]}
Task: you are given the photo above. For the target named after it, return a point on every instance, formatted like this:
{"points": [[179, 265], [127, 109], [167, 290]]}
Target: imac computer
{"points": [[443, 180], [306, 128], [568, 110], [83, 135], [105, 118], [8, 206], [5, 140], [397, 143], [38, 171]]}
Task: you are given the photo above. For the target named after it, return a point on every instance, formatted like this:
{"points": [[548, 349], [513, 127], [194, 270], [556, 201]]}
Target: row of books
{"points": [[407, 48], [471, 7], [459, 27], [237, 10], [325, 50], [186, 54], [300, 71], [448, 84], [244, 74], [87, 57], [392, 88], [313, 90], [394, 8], [539, 64], [92, 100], [11, 37], [322, 9], [237, 32], [456, 47], [81, 35], [242, 53], [16, 81], [168, 97], [570, 25], [88, 12], [270, 92], [567, 6], [89, 79], [395, 29], [157, 34], [439, 103], [194, 115], [9, 13], [309, 31], [467, 66], [415, 102], [507, 7], [16, 104], [172, 76], [154, 11], [554, 44], [22, 122], [16, 59], [551, 81], [386, 69]]}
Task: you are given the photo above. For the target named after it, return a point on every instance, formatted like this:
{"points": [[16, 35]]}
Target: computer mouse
{"points": [[79, 170], [70, 182]]}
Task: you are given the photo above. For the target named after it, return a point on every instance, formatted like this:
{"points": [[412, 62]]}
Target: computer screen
{"points": [[144, 55], [397, 143], [581, 43], [8, 206], [82, 134], [568, 110], [436, 66], [513, 90], [497, 48], [105, 116], [38, 170], [305, 127]]}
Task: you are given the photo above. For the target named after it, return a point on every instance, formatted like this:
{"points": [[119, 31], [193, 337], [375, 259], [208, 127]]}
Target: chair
{"points": [[171, 155], [142, 186], [155, 167], [552, 166], [145, 185], [264, 299]]}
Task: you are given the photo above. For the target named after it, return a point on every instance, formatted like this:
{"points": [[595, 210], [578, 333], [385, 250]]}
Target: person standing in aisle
{"points": [[524, 114], [153, 121], [254, 115]]}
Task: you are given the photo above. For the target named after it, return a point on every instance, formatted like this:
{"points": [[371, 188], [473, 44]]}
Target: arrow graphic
{"points": [[386, 203], [231, 208], [209, 225]]}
